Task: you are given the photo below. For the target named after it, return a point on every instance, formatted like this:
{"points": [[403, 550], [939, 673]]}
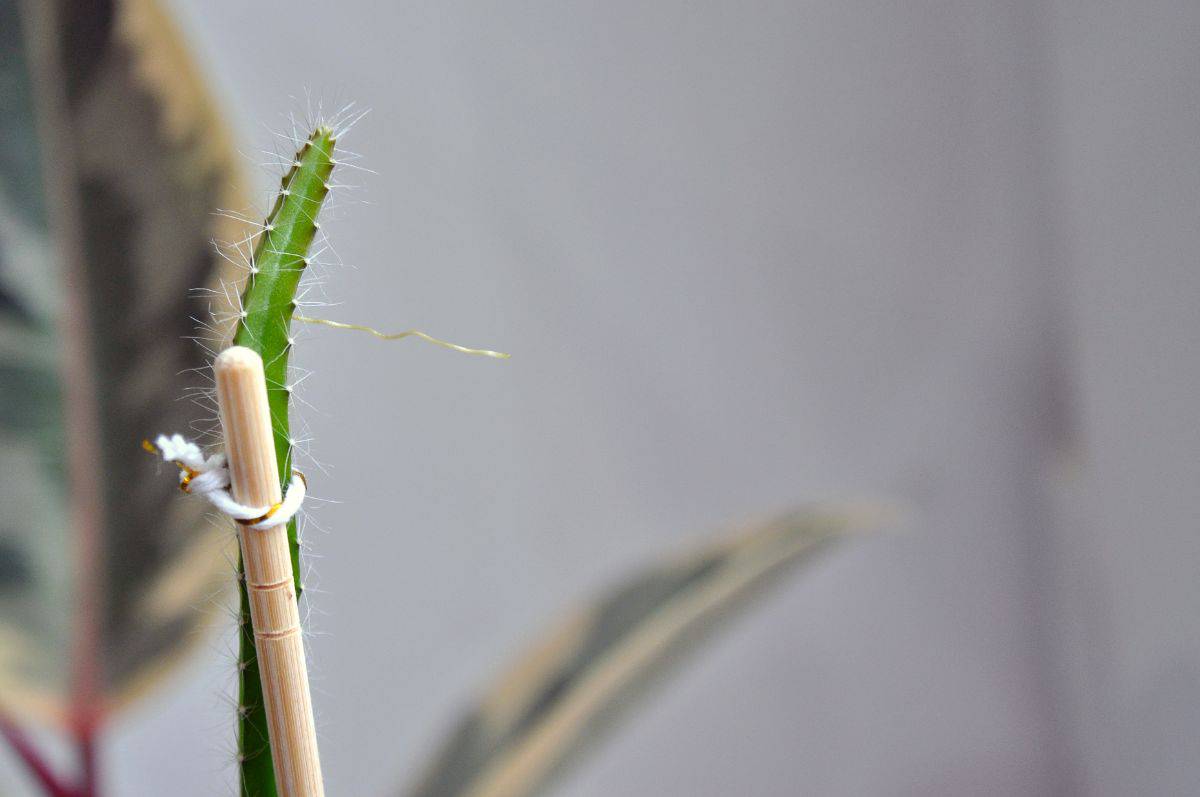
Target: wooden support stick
{"points": [[246, 419]]}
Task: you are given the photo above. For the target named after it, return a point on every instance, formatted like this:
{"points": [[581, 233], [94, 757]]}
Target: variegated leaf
{"points": [[111, 163], [547, 708]]}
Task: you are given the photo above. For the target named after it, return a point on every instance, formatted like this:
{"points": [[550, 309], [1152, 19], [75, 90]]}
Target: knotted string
{"points": [[209, 477]]}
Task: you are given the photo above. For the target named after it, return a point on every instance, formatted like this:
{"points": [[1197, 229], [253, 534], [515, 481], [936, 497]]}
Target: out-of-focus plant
{"points": [[556, 701], [113, 160]]}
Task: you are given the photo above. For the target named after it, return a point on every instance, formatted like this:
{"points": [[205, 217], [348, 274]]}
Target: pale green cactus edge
{"points": [[264, 325]]}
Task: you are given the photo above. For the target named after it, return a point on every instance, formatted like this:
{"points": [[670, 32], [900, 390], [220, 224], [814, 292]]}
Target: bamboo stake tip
{"points": [[238, 358]]}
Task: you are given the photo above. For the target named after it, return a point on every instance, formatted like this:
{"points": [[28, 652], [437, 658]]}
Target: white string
{"points": [[209, 477]]}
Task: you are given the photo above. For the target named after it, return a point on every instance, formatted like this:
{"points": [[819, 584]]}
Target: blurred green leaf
{"points": [[554, 702]]}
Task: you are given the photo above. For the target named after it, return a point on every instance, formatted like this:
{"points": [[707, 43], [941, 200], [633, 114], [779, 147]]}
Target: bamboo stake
{"points": [[246, 420]]}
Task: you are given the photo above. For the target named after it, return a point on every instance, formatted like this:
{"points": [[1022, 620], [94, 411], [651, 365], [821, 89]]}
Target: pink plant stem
{"points": [[85, 740], [21, 745], [42, 21]]}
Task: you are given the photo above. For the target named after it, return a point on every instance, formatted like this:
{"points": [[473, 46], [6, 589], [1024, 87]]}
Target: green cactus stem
{"points": [[267, 306]]}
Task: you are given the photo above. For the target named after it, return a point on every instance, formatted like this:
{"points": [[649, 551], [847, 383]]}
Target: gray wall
{"points": [[749, 254]]}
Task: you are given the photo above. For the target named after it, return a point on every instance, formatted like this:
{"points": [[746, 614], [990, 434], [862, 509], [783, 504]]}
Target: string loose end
{"points": [[413, 333]]}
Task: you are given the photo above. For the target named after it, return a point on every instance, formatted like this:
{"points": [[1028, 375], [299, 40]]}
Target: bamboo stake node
{"points": [[254, 477]]}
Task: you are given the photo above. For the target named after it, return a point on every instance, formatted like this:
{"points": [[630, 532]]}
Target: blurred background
{"points": [[745, 256]]}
